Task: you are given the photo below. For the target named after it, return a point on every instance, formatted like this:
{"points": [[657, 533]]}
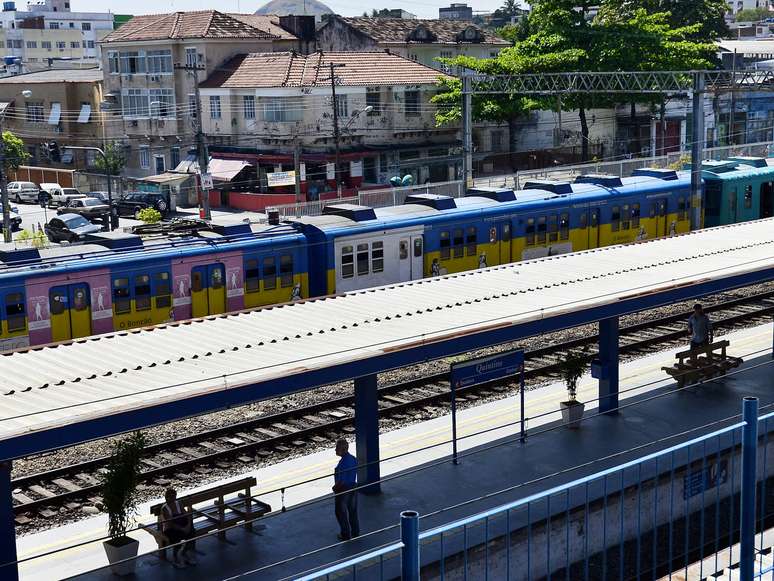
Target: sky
{"points": [[422, 8]]}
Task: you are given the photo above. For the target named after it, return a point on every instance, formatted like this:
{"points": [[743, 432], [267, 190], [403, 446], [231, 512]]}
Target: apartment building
{"points": [[261, 106], [152, 65]]}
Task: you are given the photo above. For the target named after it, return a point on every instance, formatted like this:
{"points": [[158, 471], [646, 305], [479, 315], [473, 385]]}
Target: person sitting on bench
{"points": [[699, 328], [176, 525]]}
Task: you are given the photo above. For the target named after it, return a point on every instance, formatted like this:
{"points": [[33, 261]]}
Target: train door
{"points": [[417, 257], [767, 200], [70, 308], [732, 205], [504, 229], [662, 218], [593, 228], [208, 290]]}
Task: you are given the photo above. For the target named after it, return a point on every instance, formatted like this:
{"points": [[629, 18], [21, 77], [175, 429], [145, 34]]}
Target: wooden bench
{"points": [[217, 513], [702, 363]]}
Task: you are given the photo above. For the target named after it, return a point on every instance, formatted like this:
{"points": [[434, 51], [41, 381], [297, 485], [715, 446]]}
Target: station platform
{"points": [[492, 462]]}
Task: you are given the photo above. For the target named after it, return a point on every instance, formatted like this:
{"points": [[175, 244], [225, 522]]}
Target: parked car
{"points": [[15, 220], [133, 202], [23, 192], [102, 196], [59, 195], [69, 228], [86, 207]]}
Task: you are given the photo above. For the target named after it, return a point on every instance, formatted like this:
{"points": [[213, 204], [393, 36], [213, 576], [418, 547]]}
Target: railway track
{"points": [[44, 494]]}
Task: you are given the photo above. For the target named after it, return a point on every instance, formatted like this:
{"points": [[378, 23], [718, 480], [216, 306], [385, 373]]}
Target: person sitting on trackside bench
{"points": [[345, 481], [176, 525], [699, 327]]}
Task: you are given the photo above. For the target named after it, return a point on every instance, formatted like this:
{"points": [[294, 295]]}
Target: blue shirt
{"points": [[346, 470]]}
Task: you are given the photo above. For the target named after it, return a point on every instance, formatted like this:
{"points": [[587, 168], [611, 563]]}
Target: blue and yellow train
{"points": [[119, 281]]}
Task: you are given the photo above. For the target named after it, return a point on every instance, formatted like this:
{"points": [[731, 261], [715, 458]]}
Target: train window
{"points": [[553, 229], [625, 222], [595, 218], [445, 246], [252, 276], [493, 235], [470, 241], [530, 231], [362, 259], [57, 302], [347, 262], [403, 249], [122, 300], [377, 256], [80, 300], [196, 281], [286, 270], [142, 292], [269, 273], [653, 206], [458, 242], [14, 311], [681, 213], [635, 215], [541, 230], [564, 227], [615, 219], [747, 197], [216, 278], [417, 248], [506, 232], [163, 290], [662, 208], [583, 222]]}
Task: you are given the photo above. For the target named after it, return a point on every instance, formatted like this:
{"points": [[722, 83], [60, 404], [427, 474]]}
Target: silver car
{"points": [[23, 192]]}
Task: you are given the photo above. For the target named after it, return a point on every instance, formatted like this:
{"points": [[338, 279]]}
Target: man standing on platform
{"points": [[345, 481], [699, 327]]}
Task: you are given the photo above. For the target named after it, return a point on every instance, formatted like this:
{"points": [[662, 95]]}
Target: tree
{"points": [[752, 15], [119, 484], [14, 152], [114, 160], [708, 15]]}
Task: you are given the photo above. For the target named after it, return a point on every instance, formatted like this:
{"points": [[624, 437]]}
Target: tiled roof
{"points": [[91, 75], [399, 30], [288, 69], [179, 25], [266, 22]]}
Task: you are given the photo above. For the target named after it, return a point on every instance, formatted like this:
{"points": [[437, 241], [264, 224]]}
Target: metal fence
{"points": [[689, 511]]}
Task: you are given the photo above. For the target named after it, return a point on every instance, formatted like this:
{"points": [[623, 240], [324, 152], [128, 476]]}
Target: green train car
{"points": [[737, 189]]}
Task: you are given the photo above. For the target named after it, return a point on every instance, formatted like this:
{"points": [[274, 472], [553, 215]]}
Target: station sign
{"points": [[281, 178], [486, 369]]}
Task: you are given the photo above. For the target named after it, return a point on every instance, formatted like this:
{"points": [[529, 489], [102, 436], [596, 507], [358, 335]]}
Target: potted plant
{"points": [[119, 496], [572, 368]]}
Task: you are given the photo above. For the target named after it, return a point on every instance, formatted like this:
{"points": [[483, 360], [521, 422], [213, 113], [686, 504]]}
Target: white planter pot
{"points": [[125, 549], [572, 413]]}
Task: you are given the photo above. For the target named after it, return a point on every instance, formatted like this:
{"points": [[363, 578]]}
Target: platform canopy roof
{"points": [[63, 394]]}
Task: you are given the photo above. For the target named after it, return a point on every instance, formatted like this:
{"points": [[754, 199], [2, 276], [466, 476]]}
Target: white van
{"points": [[23, 192], [58, 196]]}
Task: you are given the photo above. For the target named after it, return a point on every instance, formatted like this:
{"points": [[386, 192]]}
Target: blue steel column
{"points": [[367, 432], [7, 527], [747, 494], [608, 356], [409, 536]]}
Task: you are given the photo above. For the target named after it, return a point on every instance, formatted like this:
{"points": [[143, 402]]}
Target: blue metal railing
{"points": [[645, 518]]}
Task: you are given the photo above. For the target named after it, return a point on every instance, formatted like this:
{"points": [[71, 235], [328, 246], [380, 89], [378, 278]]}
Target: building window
{"points": [[91, 158], [412, 103], [34, 111], [341, 106], [32, 44], [446, 54], [190, 56], [159, 62], [53, 25], [61, 45], [83, 43], [144, 157], [280, 110], [374, 100], [248, 106], [85, 25], [113, 63], [214, 107], [71, 24], [162, 103], [90, 43], [75, 44], [132, 62], [134, 103], [9, 44], [174, 157], [193, 109], [45, 44]]}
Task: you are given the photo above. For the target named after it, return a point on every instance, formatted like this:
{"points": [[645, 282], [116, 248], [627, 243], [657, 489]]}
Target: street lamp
{"points": [[113, 224], [7, 235]]}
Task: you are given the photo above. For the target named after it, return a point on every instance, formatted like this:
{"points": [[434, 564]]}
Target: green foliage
{"points": [[571, 368], [752, 15], [15, 154], [708, 16], [119, 484], [36, 238], [114, 160], [680, 163], [150, 215]]}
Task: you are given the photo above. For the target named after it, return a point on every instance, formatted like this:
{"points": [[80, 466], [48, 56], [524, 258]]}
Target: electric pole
{"points": [[201, 140], [467, 130], [297, 168], [336, 134]]}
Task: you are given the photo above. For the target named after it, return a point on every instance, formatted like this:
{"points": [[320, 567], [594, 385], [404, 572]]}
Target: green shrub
{"points": [[150, 215]]}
